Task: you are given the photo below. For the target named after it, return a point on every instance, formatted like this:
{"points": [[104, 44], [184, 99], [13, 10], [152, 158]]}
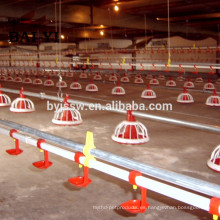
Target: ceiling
{"points": [[136, 19]]}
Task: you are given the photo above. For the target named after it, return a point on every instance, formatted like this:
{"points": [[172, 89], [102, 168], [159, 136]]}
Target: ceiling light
{"points": [[101, 33], [116, 8], [62, 36], [101, 26]]}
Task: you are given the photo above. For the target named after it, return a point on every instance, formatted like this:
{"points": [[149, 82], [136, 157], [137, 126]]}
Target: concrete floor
{"points": [[28, 193]]}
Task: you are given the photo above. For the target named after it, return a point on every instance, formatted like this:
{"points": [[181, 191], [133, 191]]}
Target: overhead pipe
{"points": [[193, 125], [161, 174]]}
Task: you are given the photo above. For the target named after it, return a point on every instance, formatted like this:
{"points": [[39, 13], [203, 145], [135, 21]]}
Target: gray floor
{"points": [[30, 193]]}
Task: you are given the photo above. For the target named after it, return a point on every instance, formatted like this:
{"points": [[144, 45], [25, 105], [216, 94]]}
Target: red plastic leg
{"points": [[81, 181], [17, 150]]}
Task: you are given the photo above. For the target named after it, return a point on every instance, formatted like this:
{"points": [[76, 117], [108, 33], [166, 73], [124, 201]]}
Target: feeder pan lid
{"points": [[91, 87], [61, 84], [130, 131], [75, 85], [67, 115], [214, 161], [118, 90], [185, 97], [213, 100], [171, 82], [22, 104], [148, 93], [4, 99]]}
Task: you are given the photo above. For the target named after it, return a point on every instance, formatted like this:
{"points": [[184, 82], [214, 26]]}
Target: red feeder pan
{"points": [[97, 76], [180, 78], [83, 75], [91, 87], [9, 78], [199, 79], [75, 85], [3, 78], [69, 74], [209, 85], [161, 77], [5, 101], [27, 80], [185, 97], [214, 161], [130, 131], [171, 82], [118, 90], [138, 80], [37, 81], [113, 78], [154, 81], [125, 79], [67, 115], [149, 76], [48, 82], [148, 93], [18, 79], [189, 84], [22, 104], [213, 100], [61, 84]]}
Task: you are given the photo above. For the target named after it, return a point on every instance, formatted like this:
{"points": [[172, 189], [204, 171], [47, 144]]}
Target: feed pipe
{"points": [[212, 128], [161, 188], [164, 175]]}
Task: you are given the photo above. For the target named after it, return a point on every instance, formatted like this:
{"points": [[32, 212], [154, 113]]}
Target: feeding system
{"points": [[148, 93], [149, 76], [9, 78], [214, 161], [67, 115], [75, 85], [154, 81], [69, 74], [213, 100], [180, 78], [48, 82], [170, 82], [189, 84], [185, 97], [22, 104], [118, 90], [130, 131], [91, 87], [209, 85], [5, 100]]}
